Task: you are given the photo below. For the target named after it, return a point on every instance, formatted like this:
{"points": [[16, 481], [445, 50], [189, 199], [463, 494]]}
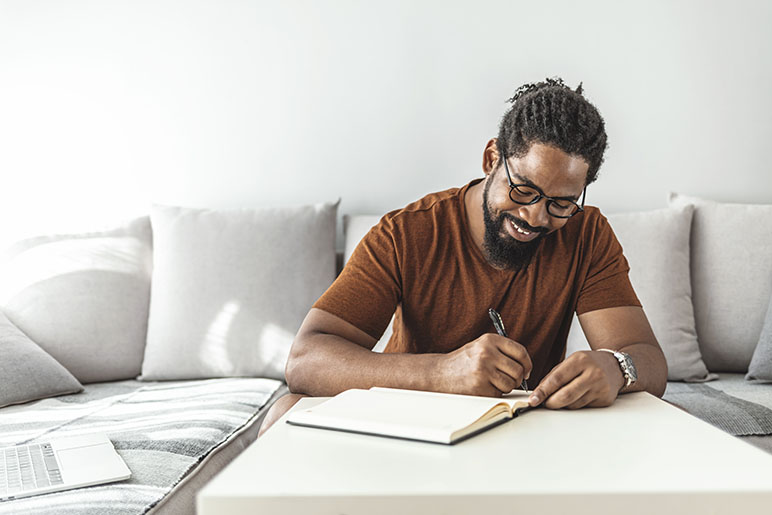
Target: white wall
{"points": [[106, 106]]}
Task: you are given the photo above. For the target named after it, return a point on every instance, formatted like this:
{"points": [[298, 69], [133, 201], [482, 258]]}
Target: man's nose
{"points": [[535, 214]]}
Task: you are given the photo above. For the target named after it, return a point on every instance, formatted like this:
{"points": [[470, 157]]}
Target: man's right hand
{"points": [[491, 365]]}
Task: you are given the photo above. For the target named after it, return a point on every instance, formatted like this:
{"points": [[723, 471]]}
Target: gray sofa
{"points": [[170, 333]]}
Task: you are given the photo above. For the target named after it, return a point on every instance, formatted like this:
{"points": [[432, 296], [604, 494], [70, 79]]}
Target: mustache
{"points": [[525, 225]]}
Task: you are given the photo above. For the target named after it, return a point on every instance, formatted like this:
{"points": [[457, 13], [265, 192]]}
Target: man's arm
{"points": [[329, 355], [593, 378]]}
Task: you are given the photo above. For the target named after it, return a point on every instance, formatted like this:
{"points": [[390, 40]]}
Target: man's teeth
{"points": [[518, 229]]}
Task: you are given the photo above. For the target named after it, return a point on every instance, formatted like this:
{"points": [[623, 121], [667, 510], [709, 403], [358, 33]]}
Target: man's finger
{"points": [[559, 376], [517, 352], [568, 393], [583, 401], [502, 381], [510, 368]]}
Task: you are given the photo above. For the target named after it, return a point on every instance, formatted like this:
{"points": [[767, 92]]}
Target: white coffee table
{"points": [[639, 456]]}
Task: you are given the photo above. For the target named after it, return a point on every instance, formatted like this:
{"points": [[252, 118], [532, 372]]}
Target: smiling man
{"points": [[519, 241]]}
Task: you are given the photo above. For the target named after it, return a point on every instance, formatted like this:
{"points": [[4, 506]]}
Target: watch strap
{"points": [[622, 358]]}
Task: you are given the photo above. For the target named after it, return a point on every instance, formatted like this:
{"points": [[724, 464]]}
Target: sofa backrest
{"points": [[188, 294]]}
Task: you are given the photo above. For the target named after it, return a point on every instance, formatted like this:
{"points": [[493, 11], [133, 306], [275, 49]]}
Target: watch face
{"points": [[630, 367]]}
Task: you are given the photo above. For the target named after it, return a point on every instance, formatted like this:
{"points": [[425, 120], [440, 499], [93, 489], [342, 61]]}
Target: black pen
{"points": [[499, 325]]}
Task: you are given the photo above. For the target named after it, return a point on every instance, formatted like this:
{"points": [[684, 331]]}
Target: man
{"points": [[519, 241]]}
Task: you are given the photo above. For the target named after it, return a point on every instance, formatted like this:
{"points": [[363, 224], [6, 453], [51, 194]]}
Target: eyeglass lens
{"points": [[526, 195]]}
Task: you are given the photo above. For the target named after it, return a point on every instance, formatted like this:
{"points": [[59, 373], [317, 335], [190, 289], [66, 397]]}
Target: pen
{"points": [[499, 325]]}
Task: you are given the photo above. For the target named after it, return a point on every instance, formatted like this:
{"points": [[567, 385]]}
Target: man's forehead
{"points": [[557, 173], [541, 156]]}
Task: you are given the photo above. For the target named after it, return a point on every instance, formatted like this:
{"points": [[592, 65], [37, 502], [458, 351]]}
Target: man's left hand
{"points": [[585, 378]]}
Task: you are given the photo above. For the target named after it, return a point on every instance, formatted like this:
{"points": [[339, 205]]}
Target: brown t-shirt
{"points": [[421, 262]]}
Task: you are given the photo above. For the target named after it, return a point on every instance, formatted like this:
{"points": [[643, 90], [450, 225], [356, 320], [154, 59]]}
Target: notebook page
{"points": [[405, 413], [515, 398]]}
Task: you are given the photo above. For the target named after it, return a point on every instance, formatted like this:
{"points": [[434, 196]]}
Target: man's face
{"points": [[513, 232]]}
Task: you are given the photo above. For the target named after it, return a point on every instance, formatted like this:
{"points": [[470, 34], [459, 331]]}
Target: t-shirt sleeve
{"points": [[368, 290], [607, 282]]}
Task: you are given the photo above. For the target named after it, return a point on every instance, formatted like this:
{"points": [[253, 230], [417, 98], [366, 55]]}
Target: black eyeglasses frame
{"points": [[540, 195]]}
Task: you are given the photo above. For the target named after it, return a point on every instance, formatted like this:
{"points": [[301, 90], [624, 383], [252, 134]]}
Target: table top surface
{"points": [[640, 445]]}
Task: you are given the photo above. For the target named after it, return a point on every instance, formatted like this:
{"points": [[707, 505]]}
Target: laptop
{"points": [[59, 464]]}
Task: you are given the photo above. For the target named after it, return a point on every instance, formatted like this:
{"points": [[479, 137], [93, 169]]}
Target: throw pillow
{"points": [[83, 298], [231, 288], [760, 369], [656, 245], [730, 269], [27, 372]]}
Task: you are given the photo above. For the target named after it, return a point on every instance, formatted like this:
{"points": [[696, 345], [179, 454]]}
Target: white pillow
{"points": [[731, 267], [83, 298], [656, 245], [231, 288]]}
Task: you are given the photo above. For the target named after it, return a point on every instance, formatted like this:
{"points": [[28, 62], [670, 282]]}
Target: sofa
{"points": [[170, 332]]}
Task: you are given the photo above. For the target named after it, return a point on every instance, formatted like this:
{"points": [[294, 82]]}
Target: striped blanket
{"points": [[161, 429], [739, 407]]}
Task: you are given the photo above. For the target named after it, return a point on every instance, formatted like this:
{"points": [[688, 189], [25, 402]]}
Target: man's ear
{"points": [[490, 156]]}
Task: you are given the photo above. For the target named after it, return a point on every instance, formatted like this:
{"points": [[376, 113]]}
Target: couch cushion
{"points": [[83, 297], [731, 270], [731, 404], [231, 288], [27, 372], [656, 244], [760, 369], [164, 432], [181, 500]]}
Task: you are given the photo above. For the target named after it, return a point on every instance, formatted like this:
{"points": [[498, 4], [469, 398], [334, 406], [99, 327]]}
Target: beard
{"points": [[503, 251]]}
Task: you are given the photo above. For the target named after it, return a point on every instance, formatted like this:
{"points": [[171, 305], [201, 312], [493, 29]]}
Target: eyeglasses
{"points": [[525, 195]]}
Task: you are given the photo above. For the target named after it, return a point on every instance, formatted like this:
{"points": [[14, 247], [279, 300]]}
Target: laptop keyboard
{"points": [[27, 467]]}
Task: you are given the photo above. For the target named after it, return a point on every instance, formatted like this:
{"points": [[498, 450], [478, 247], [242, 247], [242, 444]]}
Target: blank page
{"points": [[404, 413]]}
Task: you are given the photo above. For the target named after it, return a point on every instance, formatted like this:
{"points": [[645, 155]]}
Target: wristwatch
{"points": [[627, 366]]}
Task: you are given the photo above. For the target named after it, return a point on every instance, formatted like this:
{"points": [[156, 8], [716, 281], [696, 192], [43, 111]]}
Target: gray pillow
{"points": [[27, 372], [731, 246], [760, 369], [83, 298], [656, 245], [231, 288]]}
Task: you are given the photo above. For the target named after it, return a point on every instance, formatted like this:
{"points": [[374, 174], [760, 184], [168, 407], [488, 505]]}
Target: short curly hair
{"points": [[553, 114]]}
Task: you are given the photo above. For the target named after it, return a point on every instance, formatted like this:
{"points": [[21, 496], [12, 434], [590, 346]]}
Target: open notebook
{"points": [[415, 415]]}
